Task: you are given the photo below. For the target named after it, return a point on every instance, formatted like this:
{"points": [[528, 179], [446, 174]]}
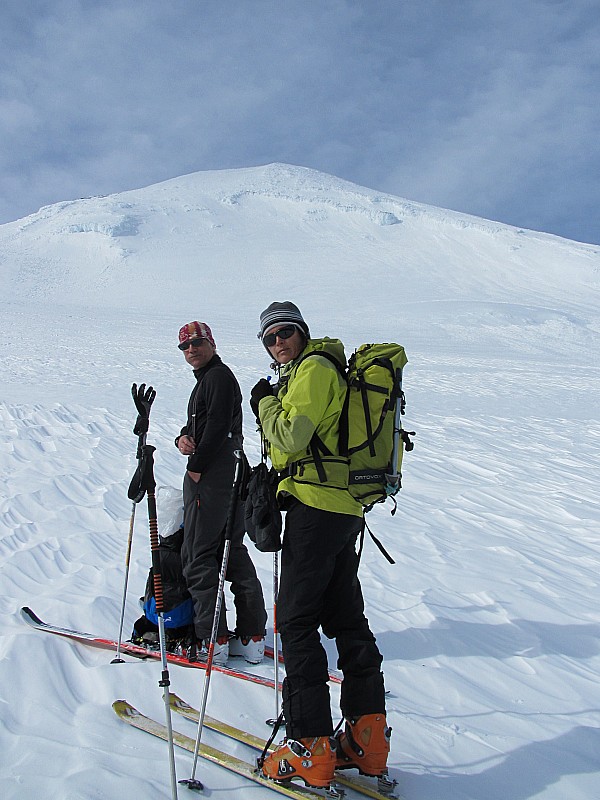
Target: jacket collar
{"points": [[200, 373]]}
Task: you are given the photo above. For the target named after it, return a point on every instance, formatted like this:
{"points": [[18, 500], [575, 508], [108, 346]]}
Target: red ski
{"points": [[129, 649]]}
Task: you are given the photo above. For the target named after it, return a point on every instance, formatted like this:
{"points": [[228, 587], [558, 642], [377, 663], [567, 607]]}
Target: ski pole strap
{"points": [[143, 477], [382, 549], [362, 539], [264, 447], [260, 760]]}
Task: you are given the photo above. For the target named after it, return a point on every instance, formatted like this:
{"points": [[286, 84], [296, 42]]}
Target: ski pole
{"points": [[272, 722], [275, 598], [117, 659], [275, 635], [192, 782], [143, 399], [143, 483], [164, 682]]}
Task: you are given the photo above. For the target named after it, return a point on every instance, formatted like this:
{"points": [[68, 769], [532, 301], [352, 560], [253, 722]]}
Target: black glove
{"points": [[143, 399], [262, 389]]}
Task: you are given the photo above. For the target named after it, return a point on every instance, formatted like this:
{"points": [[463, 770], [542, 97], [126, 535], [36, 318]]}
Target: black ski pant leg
{"points": [[359, 659], [205, 507], [312, 543], [250, 612]]}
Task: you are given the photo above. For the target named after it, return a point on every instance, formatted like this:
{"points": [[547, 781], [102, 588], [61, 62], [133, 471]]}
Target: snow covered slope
{"points": [[233, 235], [490, 619]]}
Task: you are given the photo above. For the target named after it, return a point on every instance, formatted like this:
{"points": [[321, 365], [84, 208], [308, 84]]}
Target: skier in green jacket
{"points": [[319, 586]]}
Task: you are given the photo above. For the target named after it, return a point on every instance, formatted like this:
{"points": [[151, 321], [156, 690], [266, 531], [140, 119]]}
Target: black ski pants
{"points": [[206, 506], [319, 587]]}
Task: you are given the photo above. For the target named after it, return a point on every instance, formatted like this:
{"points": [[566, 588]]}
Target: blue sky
{"points": [[490, 108]]}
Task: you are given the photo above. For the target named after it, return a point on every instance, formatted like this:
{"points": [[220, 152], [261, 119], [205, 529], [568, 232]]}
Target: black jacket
{"points": [[214, 416]]}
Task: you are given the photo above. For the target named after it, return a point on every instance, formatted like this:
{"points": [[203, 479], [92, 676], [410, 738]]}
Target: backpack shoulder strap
{"points": [[316, 445], [332, 359]]}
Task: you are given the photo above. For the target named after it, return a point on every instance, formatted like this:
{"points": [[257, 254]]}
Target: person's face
{"points": [[286, 350], [199, 353]]}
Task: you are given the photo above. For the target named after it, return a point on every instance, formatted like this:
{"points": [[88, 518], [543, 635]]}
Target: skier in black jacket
{"points": [[212, 433]]}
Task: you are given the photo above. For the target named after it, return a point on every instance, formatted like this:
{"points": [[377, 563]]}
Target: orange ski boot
{"points": [[365, 745], [311, 759]]}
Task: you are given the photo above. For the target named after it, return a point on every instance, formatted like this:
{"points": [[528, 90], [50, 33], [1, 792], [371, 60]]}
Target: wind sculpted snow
{"points": [[490, 619]]}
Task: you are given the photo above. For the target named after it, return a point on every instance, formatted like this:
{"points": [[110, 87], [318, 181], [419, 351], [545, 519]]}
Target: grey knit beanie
{"points": [[280, 313]]}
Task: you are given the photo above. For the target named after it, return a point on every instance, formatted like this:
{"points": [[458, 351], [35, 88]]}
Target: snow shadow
{"points": [[524, 773], [525, 638]]}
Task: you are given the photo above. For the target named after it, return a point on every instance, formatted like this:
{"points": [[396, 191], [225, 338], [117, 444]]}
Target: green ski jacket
{"points": [[309, 400]]}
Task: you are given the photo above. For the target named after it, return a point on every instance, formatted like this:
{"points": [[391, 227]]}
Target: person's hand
{"points": [[195, 476], [262, 389], [186, 445]]}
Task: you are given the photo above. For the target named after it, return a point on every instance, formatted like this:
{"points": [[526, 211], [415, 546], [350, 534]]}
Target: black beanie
{"points": [[280, 313]]}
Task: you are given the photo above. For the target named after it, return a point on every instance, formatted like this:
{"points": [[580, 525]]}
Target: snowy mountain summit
{"points": [[235, 236]]}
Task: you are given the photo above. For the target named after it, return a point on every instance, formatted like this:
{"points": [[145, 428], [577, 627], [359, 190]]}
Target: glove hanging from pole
{"points": [[143, 399]]}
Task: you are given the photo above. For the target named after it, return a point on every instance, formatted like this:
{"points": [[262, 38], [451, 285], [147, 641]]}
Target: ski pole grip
{"points": [[233, 501], [393, 478]]}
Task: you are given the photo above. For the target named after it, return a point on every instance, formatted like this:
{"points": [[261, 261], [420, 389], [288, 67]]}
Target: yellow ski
{"points": [[133, 717], [359, 783]]}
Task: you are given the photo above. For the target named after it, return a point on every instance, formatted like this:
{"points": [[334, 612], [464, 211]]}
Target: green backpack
{"points": [[371, 433]]}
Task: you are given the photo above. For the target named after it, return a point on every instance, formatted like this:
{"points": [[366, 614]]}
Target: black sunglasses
{"points": [[283, 333], [197, 342]]}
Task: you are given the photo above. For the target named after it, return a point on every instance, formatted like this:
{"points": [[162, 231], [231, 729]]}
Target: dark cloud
{"points": [[484, 107]]}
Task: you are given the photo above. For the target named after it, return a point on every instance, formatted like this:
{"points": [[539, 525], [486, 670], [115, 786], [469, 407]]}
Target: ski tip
{"points": [[177, 703], [124, 709], [28, 615]]}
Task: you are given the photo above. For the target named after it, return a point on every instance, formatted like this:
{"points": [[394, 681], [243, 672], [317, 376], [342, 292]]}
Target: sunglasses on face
{"points": [[191, 343], [282, 333]]}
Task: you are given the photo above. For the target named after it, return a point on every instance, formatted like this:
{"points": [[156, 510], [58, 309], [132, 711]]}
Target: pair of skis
{"points": [[382, 790], [133, 717]]}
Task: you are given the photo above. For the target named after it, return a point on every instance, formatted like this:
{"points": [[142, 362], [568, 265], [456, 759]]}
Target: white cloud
{"points": [[482, 107]]}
